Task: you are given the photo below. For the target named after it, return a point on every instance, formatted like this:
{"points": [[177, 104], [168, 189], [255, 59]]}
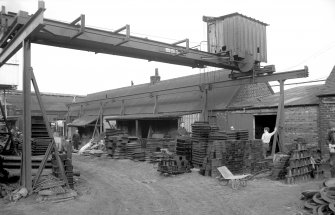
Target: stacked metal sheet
{"points": [[39, 146], [14, 162], [200, 133], [40, 136], [184, 147]]}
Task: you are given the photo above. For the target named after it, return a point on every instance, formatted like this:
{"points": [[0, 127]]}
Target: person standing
{"points": [[76, 139], [266, 137], [182, 130]]}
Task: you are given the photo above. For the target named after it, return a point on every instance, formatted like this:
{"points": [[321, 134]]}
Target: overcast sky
{"points": [[301, 32]]}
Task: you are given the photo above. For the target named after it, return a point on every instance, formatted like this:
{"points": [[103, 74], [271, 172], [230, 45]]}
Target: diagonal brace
{"points": [[52, 145], [81, 30]]}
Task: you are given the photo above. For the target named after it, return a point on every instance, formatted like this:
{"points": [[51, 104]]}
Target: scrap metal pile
{"points": [[184, 147], [154, 145], [321, 201], [173, 164]]}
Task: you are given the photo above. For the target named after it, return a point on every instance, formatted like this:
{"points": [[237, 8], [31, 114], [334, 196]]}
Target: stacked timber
{"points": [[121, 148], [132, 147], [115, 132], [112, 138], [200, 133]]}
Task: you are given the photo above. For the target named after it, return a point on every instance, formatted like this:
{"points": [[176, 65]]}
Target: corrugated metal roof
{"points": [[83, 121], [51, 102], [181, 82], [303, 95], [149, 116], [169, 101], [210, 19]]}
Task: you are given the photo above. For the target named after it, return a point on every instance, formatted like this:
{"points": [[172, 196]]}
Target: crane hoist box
{"points": [[238, 35]]}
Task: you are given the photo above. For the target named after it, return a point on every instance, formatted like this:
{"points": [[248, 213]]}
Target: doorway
{"points": [[262, 121]]}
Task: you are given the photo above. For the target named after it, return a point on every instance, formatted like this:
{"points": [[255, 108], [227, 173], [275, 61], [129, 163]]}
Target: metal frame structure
{"points": [[20, 30]]}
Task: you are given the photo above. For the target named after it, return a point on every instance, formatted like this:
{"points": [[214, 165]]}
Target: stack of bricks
{"points": [[67, 163]]}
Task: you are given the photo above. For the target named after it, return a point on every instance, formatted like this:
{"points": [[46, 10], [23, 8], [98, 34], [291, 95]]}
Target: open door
{"points": [[241, 121]]}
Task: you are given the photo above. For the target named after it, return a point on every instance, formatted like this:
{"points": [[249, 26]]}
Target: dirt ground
{"points": [[120, 187]]}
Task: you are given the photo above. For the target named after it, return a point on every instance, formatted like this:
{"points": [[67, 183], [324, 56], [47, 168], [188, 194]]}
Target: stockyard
{"points": [[221, 140]]}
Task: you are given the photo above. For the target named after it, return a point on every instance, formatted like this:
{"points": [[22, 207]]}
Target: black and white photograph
{"points": [[167, 107]]}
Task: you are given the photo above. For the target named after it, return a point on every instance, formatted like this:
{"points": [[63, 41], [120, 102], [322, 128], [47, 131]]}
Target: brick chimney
{"points": [[156, 78]]}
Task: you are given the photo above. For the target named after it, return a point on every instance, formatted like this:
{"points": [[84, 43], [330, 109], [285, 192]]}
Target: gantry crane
{"points": [[21, 29]]}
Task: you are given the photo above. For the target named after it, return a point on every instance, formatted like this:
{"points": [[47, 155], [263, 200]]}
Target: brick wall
{"points": [[300, 121], [252, 91], [326, 113]]}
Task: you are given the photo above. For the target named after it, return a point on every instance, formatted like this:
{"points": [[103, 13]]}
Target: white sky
{"points": [[301, 32]]}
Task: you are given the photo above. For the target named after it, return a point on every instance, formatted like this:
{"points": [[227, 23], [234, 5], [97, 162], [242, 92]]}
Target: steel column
{"points": [[136, 128], [26, 147], [101, 116]]}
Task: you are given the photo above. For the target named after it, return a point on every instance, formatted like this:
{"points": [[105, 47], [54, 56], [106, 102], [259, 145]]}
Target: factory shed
{"points": [[162, 104]]}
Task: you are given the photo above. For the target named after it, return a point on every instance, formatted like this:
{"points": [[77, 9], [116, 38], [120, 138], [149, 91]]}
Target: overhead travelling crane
{"points": [[21, 29]]}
